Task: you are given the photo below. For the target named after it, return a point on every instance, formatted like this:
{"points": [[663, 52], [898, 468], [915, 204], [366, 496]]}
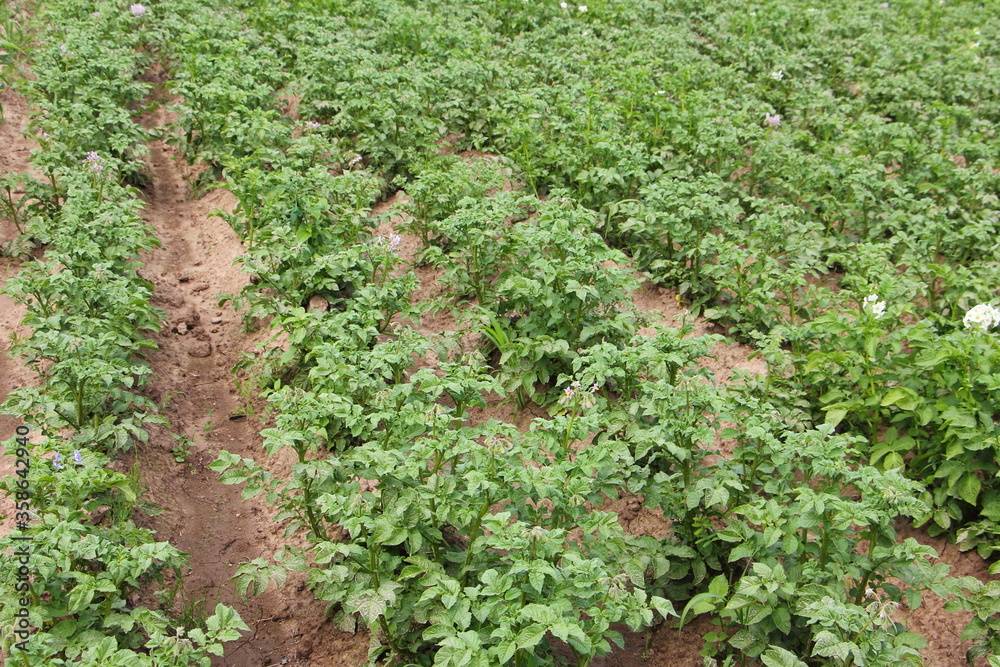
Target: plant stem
{"points": [[472, 538], [308, 500], [824, 548]]}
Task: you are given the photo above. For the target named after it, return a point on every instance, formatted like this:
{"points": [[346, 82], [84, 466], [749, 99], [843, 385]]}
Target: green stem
{"points": [[308, 501], [864, 629], [310, 512], [373, 564], [12, 208], [474, 533], [569, 427], [824, 549], [373, 567], [80, 387], [872, 537], [55, 189], [438, 462]]}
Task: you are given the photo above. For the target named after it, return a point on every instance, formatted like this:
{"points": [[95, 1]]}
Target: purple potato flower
{"points": [[95, 161]]}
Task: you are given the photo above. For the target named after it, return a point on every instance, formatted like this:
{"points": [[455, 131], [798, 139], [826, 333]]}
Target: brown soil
{"points": [[198, 346], [943, 629], [15, 150]]}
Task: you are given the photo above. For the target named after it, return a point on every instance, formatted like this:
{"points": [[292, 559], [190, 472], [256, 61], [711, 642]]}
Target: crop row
{"points": [[475, 543], [753, 158], [88, 311], [733, 151], [746, 155]]}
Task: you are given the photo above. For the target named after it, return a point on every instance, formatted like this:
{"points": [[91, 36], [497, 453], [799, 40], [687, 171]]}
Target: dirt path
{"points": [[197, 348], [15, 149]]}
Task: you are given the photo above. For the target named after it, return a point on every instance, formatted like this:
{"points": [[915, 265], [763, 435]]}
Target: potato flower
{"points": [[95, 161], [874, 306], [570, 395], [984, 316]]}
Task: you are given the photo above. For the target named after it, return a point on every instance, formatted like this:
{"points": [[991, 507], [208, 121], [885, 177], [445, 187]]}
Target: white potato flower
{"points": [[874, 306], [983, 316]]}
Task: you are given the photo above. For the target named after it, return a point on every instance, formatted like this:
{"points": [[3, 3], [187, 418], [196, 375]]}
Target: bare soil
{"points": [[198, 346], [15, 149]]}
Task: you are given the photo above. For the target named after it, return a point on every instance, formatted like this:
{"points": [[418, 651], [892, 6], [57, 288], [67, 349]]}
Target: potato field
{"points": [[500, 332]]}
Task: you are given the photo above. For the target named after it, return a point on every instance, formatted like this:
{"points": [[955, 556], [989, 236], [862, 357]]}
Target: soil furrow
{"points": [[197, 347], [13, 373]]}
